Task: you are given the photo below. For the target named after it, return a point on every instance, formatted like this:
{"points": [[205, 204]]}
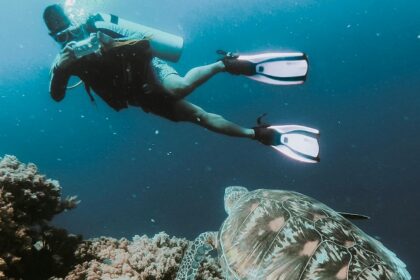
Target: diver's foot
{"points": [[267, 136], [236, 66], [239, 67]]}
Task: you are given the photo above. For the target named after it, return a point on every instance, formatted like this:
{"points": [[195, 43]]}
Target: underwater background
{"points": [[136, 173]]}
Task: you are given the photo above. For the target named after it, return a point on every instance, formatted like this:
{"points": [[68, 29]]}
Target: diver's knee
{"points": [[179, 88]]}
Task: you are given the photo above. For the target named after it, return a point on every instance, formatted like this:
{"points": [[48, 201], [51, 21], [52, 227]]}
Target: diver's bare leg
{"points": [[186, 111], [180, 87]]}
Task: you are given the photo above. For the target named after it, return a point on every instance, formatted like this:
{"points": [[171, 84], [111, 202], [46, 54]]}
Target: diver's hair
{"points": [[55, 18]]}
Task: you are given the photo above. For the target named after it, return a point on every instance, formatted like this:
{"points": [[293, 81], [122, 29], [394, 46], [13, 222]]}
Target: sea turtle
{"points": [[276, 234]]}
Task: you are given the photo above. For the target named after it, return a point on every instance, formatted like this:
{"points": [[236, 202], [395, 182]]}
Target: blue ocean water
{"points": [[138, 174]]}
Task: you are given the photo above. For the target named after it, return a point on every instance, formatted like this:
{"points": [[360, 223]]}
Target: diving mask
{"points": [[73, 33]]}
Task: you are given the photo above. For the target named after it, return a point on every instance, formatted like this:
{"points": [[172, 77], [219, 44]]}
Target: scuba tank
{"points": [[163, 45]]}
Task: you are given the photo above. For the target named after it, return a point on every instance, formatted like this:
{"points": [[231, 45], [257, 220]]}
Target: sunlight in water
{"points": [[78, 10]]}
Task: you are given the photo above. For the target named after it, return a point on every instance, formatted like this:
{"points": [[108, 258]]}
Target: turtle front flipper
{"points": [[195, 254]]}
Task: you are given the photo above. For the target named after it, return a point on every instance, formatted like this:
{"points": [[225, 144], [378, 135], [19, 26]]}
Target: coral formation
{"points": [[27, 202], [142, 258], [32, 249]]}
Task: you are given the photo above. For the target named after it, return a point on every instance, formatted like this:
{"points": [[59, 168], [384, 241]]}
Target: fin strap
{"points": [[226, 54], [260, 123], [88, 91]]}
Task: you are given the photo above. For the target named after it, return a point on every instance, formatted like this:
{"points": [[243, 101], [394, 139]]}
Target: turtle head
{"points": [[232, 195]]}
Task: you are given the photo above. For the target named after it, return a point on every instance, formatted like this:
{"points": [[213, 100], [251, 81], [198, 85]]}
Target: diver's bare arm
{"points": [[58, 84], [60, 73]]}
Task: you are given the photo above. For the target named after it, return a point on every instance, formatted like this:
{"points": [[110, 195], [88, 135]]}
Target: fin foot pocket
{"points": [[236, 66], [277, 68], [294, 141], [267, 136]]}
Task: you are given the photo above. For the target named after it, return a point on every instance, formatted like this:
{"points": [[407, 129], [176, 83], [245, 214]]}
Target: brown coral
{"points": [[27, 201], [142, 258], [31, 249]]}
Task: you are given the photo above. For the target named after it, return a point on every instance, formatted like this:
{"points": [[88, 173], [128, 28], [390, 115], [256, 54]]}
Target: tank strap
{"points": [[90, 22], [88, 91], [114, 19]]}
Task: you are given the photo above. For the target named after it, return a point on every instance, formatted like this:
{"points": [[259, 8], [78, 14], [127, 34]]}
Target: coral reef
{"points": [[142, 258], [32, 249], [27, 243]]}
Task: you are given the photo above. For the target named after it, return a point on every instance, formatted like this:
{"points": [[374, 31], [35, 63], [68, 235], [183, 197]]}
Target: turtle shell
{"points": [[274, 234]]}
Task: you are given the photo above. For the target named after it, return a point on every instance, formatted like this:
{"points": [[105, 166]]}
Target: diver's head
{"points": [[56, 19], [60, 26]]}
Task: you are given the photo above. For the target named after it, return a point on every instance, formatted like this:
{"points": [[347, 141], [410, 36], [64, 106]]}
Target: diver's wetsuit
{"points": [[141, 89]]}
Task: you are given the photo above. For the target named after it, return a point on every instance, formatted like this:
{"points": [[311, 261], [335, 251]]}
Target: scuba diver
{"points": [[123, 63]]}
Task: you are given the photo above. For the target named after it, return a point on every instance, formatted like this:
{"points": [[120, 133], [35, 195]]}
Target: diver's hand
{"points": [[106, 41], [67, 58]]}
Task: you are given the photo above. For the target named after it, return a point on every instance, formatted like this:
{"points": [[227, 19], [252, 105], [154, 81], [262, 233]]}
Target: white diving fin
{"points": [[276, 68], [297, 142]]}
